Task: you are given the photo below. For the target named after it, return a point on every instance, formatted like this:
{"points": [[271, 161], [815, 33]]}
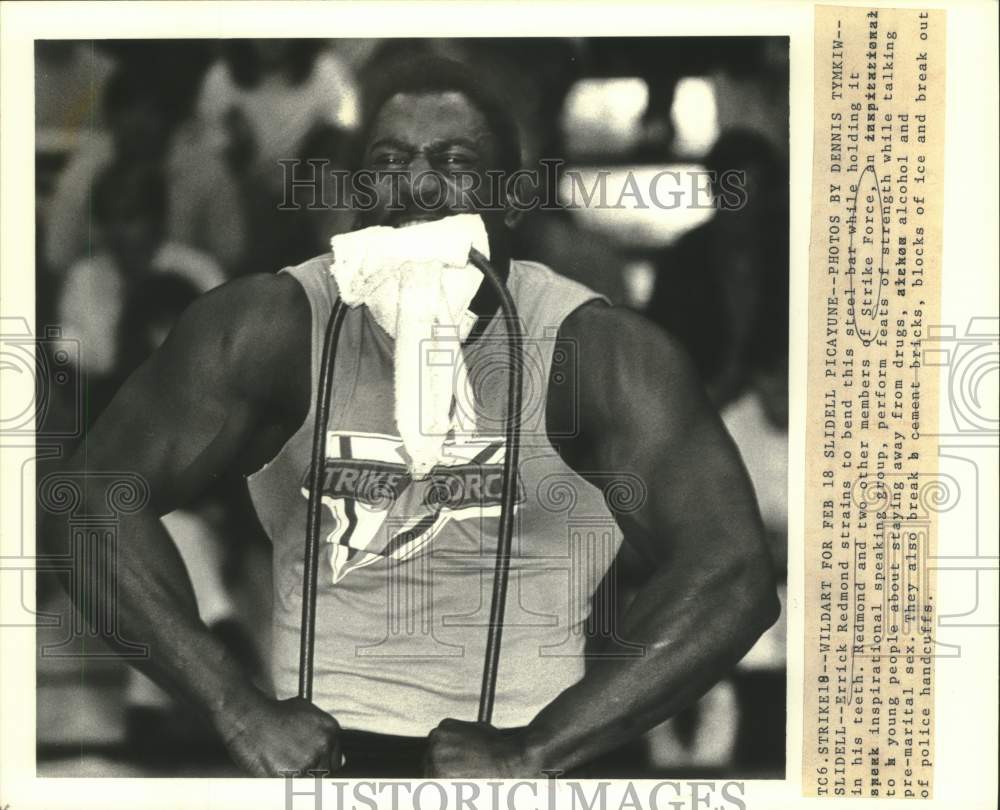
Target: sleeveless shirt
{"points": [[406, 567]]}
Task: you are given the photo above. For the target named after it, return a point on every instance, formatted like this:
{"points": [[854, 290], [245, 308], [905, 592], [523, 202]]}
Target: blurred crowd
{"points": [[157, 179]]}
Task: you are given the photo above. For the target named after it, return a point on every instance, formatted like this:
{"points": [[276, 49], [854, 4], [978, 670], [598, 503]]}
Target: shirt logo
{"points": [[379, 512]]}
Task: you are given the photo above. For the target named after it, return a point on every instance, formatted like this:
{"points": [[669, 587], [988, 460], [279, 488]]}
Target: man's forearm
{"points": [[150, 598], [694, 626]]}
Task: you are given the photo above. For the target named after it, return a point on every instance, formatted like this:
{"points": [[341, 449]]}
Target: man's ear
{"points": [[521, 193]]}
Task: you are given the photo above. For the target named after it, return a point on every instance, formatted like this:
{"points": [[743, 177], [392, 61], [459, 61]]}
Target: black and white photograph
{"points": [[422, 407]]}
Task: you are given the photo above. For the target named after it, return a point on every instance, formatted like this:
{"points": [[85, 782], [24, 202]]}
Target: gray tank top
{"points": [[406, 567]]}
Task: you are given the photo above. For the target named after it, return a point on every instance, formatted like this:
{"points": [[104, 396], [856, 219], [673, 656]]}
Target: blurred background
{"points": [[157, 179]]}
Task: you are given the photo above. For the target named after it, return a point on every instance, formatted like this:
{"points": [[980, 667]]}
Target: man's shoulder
{"points": [[250, 296], [597, 321], [620, 349], [248, 338], [630, 377], [259, 314]]}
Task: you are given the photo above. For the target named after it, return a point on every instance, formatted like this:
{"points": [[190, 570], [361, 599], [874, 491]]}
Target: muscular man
{"points": [[404, 579]]}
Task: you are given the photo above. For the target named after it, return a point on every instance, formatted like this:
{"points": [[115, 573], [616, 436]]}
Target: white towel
{"points": [[418, 283]]}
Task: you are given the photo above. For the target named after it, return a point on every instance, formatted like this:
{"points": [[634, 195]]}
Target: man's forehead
{"points": [[429, 116]]}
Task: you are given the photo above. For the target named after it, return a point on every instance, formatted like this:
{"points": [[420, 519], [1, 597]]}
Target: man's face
{"points": [[427, 148], [133, 238], [139, 131], [272, 53]]}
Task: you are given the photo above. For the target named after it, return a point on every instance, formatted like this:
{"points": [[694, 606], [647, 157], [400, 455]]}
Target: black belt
{"points": [[367, 754]]}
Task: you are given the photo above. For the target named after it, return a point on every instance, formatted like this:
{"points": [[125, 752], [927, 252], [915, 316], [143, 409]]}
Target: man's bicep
{"points": [[185, 416], [699, 498], [662, 429]]}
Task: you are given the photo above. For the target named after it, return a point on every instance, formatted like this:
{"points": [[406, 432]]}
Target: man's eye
{"points": [[455, 159], [389, 160]]}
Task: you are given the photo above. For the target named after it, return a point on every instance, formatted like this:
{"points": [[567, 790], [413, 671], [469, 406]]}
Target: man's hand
{"points": [[274, 737], [462, 749]]}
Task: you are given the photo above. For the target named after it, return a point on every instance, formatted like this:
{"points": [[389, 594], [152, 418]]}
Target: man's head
{"points": [[431, 134], [136, 117], [762, 176], [130, 208]]}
